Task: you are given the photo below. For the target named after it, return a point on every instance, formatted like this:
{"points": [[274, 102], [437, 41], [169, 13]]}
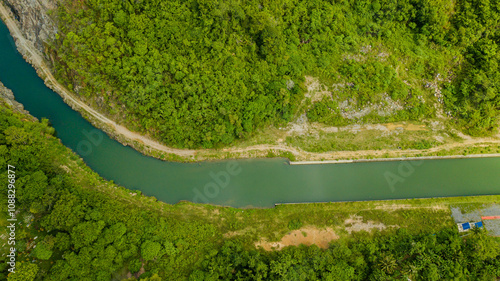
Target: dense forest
{"points": [[203, 73], [73, 225], [445, 256]]}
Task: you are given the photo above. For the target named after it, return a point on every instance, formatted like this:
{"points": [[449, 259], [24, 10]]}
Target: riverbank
{"points": [[394, 159], [90, 202], [261, 149]]}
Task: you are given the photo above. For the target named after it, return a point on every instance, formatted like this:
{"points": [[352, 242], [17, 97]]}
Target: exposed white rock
{"points": [[35, 23]]}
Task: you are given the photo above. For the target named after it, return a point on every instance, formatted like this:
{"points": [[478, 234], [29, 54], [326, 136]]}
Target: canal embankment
{"points": [[394, 159]]}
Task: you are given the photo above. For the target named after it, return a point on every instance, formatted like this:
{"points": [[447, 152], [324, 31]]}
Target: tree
{"points": [[135, 265], [42, 251], [67, 212], [387, 263], [83, 234], [150, 250], [25, 271], [32, 186]]}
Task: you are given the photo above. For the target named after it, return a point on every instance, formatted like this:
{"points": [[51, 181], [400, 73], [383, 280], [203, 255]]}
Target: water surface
{"points": [[242, 183]]}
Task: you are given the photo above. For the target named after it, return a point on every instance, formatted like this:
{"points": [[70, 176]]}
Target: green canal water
{"points": [[241, 183]]}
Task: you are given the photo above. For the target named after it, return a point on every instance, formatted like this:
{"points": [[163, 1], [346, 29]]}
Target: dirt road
{"points": [[32, 55]]}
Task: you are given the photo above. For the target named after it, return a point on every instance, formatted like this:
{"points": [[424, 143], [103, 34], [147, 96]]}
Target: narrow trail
{"points": [[39, 63], [360, 153], [32, 55]]}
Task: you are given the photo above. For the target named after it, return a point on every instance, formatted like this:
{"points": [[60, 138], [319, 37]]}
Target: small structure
{"points": [[491, 218], [462, 227]]}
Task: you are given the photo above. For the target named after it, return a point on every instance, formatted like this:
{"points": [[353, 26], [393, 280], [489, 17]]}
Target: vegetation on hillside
{"points": [[73, 225], [203, 73]]}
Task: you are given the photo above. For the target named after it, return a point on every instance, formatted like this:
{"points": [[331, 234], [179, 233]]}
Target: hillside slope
{"points": [[203, 73]]}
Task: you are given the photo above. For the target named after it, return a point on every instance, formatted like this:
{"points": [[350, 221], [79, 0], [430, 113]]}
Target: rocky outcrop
{"points": [[8, 97], [34, 20]]}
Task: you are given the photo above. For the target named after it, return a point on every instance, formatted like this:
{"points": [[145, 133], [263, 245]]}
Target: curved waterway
{"points": [[241, 183]]}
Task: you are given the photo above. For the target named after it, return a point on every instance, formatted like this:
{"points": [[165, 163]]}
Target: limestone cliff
{"points": [[34, 20]]}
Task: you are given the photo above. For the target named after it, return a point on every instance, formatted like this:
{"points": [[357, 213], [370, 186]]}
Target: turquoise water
{"points": [[242, 183]]}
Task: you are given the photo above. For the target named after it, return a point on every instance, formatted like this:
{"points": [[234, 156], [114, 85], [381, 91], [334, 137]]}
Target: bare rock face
{"points": [[8, 97], [34, 20]]}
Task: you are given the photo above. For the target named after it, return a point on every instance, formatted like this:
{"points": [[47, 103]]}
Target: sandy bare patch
{"points": [[383, 106], [66, 169], [355, 224], [439, 138], [413, 127], [307, 235], [300, 126], [330, 129], [316, 91], [393, 207], [439, 207], [317, 127], [462, 135], [408, 127], [356, 128]]}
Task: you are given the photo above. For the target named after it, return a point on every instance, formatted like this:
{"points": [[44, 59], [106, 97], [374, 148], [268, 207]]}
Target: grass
{"points": [[469, 150], [417, 215], [364, 140]]}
